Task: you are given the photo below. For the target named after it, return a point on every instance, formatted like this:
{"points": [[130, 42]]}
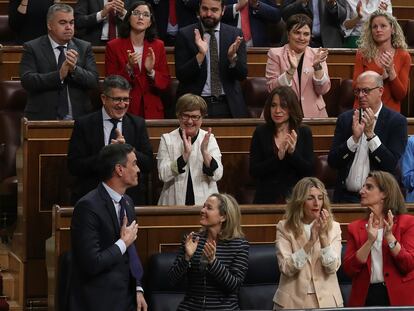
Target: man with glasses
{"points": [[372, 137], [110, 125], [211, 60], [97, 21]]}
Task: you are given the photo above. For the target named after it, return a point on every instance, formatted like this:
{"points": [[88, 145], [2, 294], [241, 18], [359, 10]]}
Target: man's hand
{"points": [[201, 44], [241, 4], [71, 59], [357, 128], [119, 8], [119, 138], [232, 51], [128, 233], [108, 7], [141, 303], [368, 119]]}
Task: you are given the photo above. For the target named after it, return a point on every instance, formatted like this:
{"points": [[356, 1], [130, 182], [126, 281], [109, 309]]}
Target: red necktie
{"points": [[245, 23], [112, 26], [173, 16]]}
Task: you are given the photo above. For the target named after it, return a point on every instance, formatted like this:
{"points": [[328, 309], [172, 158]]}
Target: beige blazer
{"points": [[309, 91], [294, 283]]}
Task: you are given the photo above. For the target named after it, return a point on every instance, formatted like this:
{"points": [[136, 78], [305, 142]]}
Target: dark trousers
{"points": [[217, 107], [377, 295]]}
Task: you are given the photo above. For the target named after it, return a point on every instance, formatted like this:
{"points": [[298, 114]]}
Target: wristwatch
{"points": [[391, 245]]}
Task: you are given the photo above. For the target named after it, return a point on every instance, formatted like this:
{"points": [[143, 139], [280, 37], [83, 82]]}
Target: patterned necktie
{"points": [[113, 131], [135, 265], [63, 104], [214, 66]]}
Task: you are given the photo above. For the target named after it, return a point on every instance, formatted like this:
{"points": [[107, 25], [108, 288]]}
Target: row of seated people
{"points": [[295, 65], [338, 24], [214, 261]]}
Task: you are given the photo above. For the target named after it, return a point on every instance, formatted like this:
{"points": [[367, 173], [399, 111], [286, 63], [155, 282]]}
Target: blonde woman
{"points": [[382, 48], [214, 260], [308, 250]]}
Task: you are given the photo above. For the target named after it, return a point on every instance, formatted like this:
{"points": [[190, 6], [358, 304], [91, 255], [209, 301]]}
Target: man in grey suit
{"points": [[211, 60], [57, 70], [327, 16], [93, 19]]}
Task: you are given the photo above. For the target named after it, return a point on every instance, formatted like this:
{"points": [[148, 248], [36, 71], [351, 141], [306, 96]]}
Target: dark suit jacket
{"points": [[275, 178], [391, 128], [266, 14], [87, 27], [40, 77], [86, 142], [330, 17], [101, 278], [186, 13], [192, 77], [398, 270]]}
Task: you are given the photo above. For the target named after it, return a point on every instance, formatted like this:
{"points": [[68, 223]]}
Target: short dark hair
{"points": [[222, 3], [115, 82], [297, 21], [288, 96], [110, 156], [125, 27]]}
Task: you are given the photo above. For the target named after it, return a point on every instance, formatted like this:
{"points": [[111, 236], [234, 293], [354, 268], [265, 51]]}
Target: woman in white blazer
{"points": [[308, 250], [189, 158]]}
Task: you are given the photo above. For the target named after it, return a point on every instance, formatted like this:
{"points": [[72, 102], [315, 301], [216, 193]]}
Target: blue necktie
{"points": [[134, 262], [112, 135]]}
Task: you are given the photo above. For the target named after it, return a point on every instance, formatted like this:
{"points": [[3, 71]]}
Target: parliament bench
{"points": [[256, 292]]}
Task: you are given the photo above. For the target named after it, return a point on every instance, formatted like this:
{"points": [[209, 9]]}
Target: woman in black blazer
{"points": [[281, 151]]}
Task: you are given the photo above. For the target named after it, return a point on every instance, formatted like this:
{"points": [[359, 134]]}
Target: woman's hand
{"points": [[150, 60], [209, 251], [320, 56], [291, 140], [293, 60], [191, 243], [388, 224], [187, 145], [372, 228], [282, 148], [133, 58]]}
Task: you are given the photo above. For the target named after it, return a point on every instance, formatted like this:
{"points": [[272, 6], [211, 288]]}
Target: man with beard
{"points": [[210, 61]]}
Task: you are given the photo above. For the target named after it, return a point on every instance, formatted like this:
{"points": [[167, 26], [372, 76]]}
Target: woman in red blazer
{"points": [[141, 59], [379, 254]]}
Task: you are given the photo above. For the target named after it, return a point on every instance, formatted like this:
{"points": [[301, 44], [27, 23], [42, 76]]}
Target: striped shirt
{"points": [[212, 286]]}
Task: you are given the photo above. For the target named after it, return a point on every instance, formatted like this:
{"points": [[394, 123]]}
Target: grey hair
{"points": [[58, 7], [374, 75], [115, 82]]}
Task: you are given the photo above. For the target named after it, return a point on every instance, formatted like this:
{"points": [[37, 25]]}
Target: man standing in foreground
{"points": [[107, 271]]}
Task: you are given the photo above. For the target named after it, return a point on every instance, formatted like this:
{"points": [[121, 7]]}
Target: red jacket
{"points": [[145, 91], [398, 271]]}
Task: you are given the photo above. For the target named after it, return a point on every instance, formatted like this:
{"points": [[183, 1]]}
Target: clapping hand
{"points": [[150, 60], [372, 228], [119, 138], [209, 251], [187, 145], [202, 44], [191, 243], [233, 48], [291, 140]]}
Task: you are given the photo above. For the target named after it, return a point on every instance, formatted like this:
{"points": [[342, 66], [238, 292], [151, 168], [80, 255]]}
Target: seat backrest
{"points": [[325, 173], [160, 293], [169, 99], [64, 278], [409, 33], [345, 283], [346, 96], [255, 94], [261, 280], [12, 103], [6, 33]]}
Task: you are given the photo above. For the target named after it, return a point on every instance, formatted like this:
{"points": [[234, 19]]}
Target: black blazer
{"points": [[88, 139], [86, 25], [275, 178], [192, 77], [101, 278], [391, 128], [40, 77]]}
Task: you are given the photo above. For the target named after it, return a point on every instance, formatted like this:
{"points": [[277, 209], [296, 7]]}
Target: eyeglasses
{"points": [[118, 100], [365, 91], [141, 14], [186, 117]]}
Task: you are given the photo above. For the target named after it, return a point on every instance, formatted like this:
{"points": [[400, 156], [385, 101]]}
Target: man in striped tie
{"points": [[106, 271]]}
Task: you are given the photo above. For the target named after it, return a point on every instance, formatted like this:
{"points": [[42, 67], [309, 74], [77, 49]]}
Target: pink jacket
{"points": [[311, 90]]}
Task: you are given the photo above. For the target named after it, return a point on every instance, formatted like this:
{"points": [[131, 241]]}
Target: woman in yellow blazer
{"points": [[308, 250]]}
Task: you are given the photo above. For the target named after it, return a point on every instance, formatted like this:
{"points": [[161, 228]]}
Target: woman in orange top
{"points": [[382, 49]]}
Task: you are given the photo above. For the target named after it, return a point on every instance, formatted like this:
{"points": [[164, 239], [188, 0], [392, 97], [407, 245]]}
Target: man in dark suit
{"points": [[57, 70], [327, 16], [260, 14], [170, 20], [374, 140], [97, 20], [210, 61], [110, 125], [106, 270]]}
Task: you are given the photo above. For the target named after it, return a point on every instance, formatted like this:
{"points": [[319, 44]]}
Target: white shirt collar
{"points": [[55, 44], [115, 196]]}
